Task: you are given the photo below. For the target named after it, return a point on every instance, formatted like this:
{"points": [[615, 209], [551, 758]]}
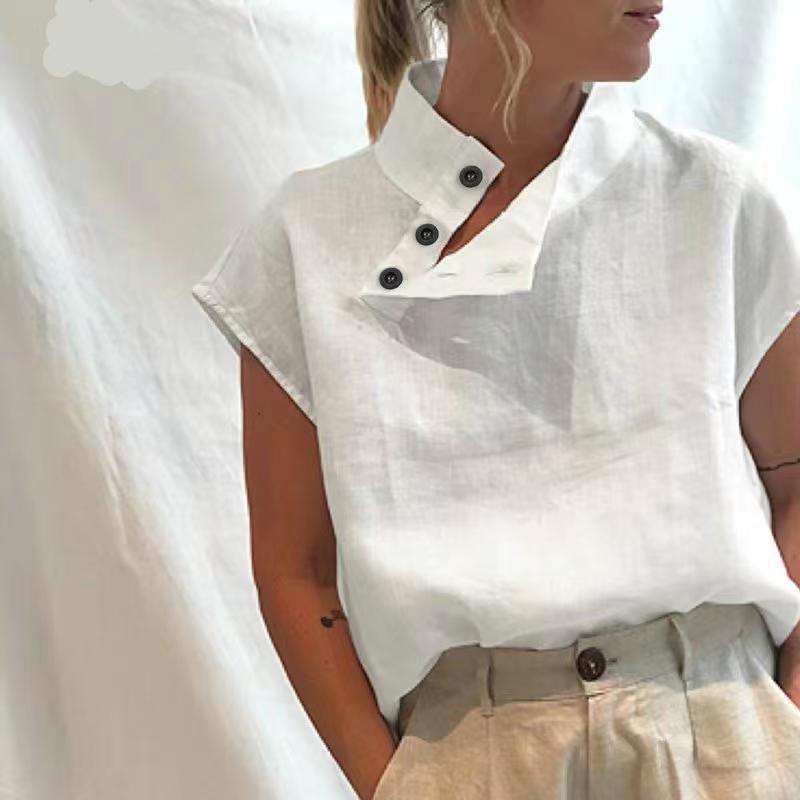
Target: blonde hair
{"points": [[391, 34]]}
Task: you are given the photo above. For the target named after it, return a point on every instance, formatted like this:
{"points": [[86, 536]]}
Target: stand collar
{"points": [[426, 156]]}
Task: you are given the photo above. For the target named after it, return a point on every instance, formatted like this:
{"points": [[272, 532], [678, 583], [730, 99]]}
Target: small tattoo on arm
{"points": [[778, 466], [336, 614]]}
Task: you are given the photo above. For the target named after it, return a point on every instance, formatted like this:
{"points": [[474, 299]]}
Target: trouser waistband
{"points": [[594, 663]]}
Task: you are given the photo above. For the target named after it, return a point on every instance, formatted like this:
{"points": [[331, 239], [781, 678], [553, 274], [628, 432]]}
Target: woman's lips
{"points": [[644, 21]]}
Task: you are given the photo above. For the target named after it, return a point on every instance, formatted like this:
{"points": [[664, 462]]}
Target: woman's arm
{"points": [[769, 411], [293, 550]]}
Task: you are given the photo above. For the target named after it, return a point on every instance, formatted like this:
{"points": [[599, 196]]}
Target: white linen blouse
{"points": [[537, 438]]}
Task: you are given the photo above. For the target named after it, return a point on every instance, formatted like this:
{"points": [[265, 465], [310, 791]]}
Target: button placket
{"points": [[448, 204], [470, 177]]}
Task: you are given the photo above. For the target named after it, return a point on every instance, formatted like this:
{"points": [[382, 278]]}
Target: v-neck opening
{"points": [[511, 213]]}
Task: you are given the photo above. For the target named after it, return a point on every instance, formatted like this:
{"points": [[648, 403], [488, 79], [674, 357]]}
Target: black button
{"points": [[427, 233], [390, 278], [470, 176], [591, 663]]}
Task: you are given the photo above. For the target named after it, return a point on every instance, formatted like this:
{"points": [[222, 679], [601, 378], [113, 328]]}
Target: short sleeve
{"points": [[767, 269], [250, 295]]}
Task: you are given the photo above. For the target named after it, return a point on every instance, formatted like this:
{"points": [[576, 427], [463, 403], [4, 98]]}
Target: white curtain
{"points": [[135, 137]]}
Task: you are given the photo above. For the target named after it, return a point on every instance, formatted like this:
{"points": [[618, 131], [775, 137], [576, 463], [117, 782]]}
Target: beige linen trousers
{"points": [[685, 706]]}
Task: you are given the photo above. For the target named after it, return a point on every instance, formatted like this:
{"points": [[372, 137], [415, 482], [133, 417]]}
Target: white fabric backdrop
{"points": [[135, 137]]}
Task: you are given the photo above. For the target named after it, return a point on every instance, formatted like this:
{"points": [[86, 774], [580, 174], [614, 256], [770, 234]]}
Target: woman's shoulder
{"points": [[339, 175], [340, 192], [728, 163]]}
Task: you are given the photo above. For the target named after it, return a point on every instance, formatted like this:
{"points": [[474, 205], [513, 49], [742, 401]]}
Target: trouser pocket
{"points": [[388, 784], [758, 647], [740, 716]]}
